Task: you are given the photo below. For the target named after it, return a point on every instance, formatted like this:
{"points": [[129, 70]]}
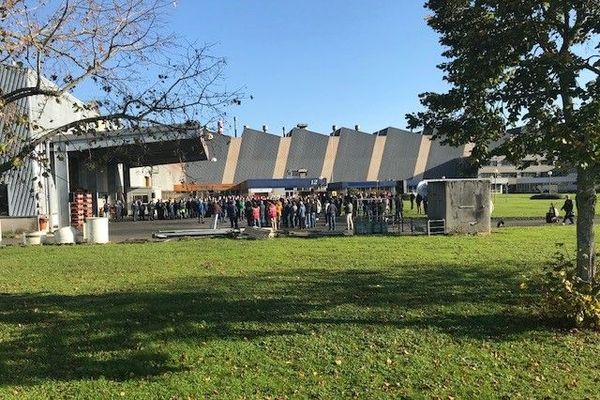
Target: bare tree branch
{"points": [[139, 75]]}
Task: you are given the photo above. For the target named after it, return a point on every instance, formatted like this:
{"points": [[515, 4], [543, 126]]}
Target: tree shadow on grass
{"points": [[123, 335]]}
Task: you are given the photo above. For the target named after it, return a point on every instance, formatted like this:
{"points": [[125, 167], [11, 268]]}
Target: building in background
{"points": [[42, 188], [343, 155], [542, 176]]}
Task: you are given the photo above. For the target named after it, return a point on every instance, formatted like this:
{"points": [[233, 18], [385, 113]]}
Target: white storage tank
{"points": [[96, 230], [34, 238], [66, 235]]}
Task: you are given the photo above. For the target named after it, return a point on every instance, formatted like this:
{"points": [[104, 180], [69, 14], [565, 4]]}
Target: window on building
{"points": [[546, 162], [3, 199]]}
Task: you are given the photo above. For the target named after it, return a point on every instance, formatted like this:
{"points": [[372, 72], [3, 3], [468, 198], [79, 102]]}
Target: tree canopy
{"points": [[522, 63]]}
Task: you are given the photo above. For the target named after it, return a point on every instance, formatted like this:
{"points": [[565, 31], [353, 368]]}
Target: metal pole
{"points": [[495, 184]]}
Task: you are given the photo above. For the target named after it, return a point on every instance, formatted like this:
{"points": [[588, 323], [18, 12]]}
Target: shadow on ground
{"points": [[124, 335]]}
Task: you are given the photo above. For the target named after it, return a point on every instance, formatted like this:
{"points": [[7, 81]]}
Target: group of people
{"points": [[420, 201], [299, 212], [152, 210], [290, 212], [553, 214]]}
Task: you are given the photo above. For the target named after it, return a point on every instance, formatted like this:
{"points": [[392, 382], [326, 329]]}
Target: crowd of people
{"points": [[289, 212]]}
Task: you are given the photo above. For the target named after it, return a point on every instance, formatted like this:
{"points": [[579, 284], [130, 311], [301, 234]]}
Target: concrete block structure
{"points": [[464, 204]]}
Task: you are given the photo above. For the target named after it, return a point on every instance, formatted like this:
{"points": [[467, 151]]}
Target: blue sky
{"points": [[321, 62]]}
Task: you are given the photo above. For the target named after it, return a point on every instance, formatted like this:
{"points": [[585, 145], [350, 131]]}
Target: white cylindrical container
{"points": [[97, 230], [34, 238], [66, 235]]}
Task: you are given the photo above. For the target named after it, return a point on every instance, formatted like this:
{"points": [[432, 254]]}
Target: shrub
{"points": [[566, 296], [547, 196]]}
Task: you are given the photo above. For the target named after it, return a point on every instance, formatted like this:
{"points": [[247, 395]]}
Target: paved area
{"points": [[143, 230]]}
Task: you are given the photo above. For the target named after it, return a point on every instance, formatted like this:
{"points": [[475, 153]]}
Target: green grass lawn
{"points": [[520, 205], [365, 317], [511, 206]]}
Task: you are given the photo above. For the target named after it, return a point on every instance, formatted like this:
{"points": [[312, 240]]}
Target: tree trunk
{"points": [[586, 211]]}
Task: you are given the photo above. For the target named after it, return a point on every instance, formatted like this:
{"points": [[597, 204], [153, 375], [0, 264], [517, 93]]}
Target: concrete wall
{"points": [[18, 225], [463, 203]]}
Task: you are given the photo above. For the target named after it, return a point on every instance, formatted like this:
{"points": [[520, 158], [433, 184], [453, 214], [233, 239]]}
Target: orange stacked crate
{"points": [[81, 208], [88, 205]]}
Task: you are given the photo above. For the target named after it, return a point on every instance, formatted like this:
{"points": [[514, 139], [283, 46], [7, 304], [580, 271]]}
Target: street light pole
{"points": [[549, 181], [495, 183]]}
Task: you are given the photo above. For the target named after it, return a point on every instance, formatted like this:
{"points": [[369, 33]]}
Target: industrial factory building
{"points": [[343, 155]]}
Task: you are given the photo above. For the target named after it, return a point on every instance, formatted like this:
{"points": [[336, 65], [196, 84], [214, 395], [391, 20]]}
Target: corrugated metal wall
{"points": [[21, 186], [259, 151], [209, 171], [307, 151], [400, 154], [29, 192], [257, 155], [353, 156], [443, 161]]}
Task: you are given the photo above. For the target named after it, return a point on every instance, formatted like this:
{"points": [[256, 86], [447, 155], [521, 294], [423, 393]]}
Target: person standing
{"points": [[419, 200], [272, 214], [256, 215], [233, 214], [568, 208], [248, 213], [302, 215], [119, 211], [216, 213], [200, 210], [263, 213], [331, 215], [349, 215], [106, 210], [151, 210], [135, 208], [399, 208]]}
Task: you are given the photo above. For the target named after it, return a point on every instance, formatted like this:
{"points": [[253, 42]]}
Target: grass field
{"points": [[520, 205], [512, 206], [364, 317]]}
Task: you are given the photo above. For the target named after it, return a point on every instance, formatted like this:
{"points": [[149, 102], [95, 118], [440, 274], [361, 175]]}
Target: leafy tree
{"points": [[528, 63], [120, 52]]}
